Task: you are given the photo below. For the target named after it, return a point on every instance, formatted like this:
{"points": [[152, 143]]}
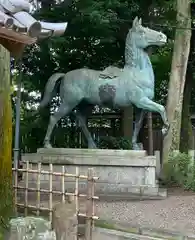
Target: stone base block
{"points": [[120, 172]]}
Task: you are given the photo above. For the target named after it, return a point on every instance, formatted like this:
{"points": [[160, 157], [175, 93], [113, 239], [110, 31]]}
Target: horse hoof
{"points": [[47, 145], [92, 146], [137, 146]]}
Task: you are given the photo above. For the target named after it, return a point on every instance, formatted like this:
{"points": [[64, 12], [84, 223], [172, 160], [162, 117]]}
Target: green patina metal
{"points": [[113, 87]]}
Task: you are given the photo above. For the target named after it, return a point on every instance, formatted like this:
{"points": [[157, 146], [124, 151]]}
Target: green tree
{"points": [[177, 77], [188, 101], [94, 38]]}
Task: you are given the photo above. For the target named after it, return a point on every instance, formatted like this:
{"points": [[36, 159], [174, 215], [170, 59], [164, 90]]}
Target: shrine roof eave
{"points": [[17, 37], [16, 41]]}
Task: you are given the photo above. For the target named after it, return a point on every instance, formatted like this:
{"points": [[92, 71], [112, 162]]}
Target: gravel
{"points": [[174, 213]]}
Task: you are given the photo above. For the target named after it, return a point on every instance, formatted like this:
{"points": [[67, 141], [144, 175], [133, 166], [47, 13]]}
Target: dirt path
{"points": [[177, 212]]}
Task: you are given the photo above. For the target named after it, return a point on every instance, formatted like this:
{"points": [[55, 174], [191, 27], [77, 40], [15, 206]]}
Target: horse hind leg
{"points": [[138, 125], [81, 118], [63, 110]]}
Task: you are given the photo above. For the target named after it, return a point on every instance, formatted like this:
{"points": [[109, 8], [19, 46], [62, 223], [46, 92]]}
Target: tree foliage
{"points": [[95, 38]]}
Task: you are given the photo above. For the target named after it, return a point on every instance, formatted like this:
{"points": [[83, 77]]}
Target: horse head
{"points": [[144, 36]]}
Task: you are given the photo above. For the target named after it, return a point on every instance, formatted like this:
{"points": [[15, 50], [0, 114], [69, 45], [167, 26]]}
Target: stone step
{"points": [[94, 152], [93, 160], [109, 234]]}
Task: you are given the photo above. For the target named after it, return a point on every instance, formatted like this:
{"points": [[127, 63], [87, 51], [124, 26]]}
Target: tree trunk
{"points": [[177, 78], [5, 137], [186, 125], [186, 138]]}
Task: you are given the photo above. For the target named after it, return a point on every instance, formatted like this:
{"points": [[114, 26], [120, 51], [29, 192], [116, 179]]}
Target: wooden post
{"points": [[127, 122], [6, 192], [150, 135]]}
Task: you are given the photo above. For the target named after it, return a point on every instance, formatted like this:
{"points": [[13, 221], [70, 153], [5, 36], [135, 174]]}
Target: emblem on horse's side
{"points": [[107, 94]]}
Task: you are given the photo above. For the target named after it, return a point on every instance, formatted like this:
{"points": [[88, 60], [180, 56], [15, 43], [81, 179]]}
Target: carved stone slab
{"points": [[65, 221]]}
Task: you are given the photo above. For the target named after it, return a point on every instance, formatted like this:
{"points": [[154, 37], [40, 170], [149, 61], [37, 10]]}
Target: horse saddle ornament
{"points": [[110, 72]]}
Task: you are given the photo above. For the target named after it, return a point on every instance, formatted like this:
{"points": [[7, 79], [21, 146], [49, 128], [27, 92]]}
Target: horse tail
{"points": [[49, 88]]}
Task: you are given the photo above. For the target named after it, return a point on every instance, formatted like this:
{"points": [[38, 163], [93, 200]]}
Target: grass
{"points": [[107, 225], [2, 233], [133, 230]]}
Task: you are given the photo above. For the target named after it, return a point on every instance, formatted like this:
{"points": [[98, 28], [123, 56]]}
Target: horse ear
{"points": [[140, 21], [135, 22]]}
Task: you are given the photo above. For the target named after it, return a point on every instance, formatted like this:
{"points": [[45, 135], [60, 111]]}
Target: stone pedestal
{"points": [[122, 173], [30, 228]]}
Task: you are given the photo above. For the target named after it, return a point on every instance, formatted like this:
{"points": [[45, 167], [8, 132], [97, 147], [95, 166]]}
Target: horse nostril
{"points": [[161, 37]]}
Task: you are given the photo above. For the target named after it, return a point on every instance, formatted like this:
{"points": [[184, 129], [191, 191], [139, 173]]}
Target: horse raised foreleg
{"points": [[61, 112], [138, 125], [147, 104]]}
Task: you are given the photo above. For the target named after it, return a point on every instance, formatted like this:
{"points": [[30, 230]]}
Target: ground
{"points": [[177, 212]]}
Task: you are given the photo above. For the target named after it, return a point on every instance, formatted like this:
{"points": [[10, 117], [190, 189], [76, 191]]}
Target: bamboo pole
{"points": [[89, 206], [50, 191], [90, 198], [38, 189]]}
